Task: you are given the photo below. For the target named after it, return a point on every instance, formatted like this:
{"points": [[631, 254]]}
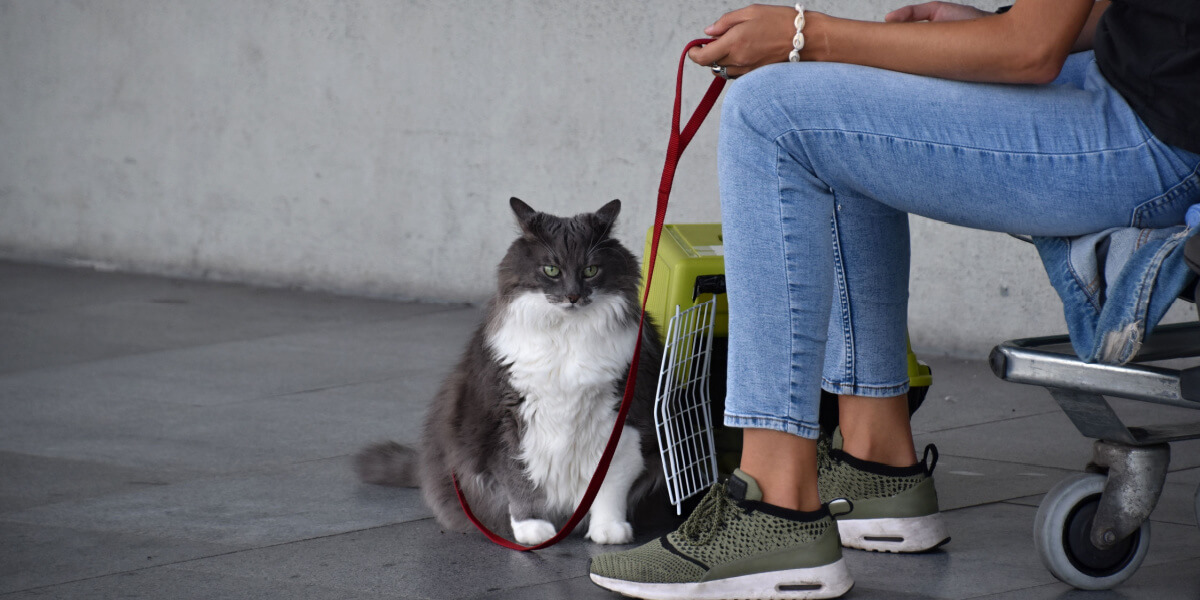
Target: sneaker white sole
{"points": [[827, 581], [910, 534]]}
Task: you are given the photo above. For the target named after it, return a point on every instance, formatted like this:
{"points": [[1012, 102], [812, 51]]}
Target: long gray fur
{"points": [[472, 428]]}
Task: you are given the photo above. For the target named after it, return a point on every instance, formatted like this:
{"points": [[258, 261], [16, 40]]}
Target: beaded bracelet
{"points": [[798, 41]]}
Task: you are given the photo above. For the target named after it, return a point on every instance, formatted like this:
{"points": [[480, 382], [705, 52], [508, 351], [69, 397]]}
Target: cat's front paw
{"points": [[611, 532], [532, 532]]}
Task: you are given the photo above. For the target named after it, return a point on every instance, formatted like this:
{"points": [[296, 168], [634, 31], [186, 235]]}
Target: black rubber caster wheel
{"points": [[1062, 532]]}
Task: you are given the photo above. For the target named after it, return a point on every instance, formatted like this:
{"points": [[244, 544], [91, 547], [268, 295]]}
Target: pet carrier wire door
{"points": [[681, 406]]}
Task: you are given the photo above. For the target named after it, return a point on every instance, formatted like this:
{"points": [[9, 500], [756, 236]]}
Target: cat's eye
{"points": [[590, 271], [551, 271]]}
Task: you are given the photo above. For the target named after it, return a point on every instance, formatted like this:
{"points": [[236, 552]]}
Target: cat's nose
{"points": [[573, 298]]}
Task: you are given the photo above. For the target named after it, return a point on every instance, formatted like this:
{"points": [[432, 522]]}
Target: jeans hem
{"points": [[796, 428], [865, 390]]}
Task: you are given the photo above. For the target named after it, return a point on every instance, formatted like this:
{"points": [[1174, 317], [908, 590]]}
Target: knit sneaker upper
{"points": [[651, 563], [878, 490], [730, 533]]}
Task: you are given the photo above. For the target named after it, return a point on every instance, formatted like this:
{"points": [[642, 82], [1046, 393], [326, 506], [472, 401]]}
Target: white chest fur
{"points": [[564, 364]]}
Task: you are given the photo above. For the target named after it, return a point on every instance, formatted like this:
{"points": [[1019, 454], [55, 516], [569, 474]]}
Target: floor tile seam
{"points": [[993, 503], [89, 270], [10, 519], [1007, 462], [1003, 420], [398, 374], [1154, 519], [1069, 471], [78, 308], [488, 594], [3, 376], [284, 394], [175, 567], [276, 396], [441, 309], [287, 543], [885, 592], [314, 390], [217, 344], [272, 580], [1026, 590], [143, 485], [1173, 561], [199, 558], [271, 469], [1012, 502], [7, 516]]}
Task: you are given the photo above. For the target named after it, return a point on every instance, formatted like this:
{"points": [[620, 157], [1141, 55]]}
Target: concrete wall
{"points": [[370, 147]]}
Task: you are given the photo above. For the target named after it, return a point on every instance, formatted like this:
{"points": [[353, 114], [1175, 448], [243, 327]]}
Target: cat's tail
{"points": [[387, 463]]}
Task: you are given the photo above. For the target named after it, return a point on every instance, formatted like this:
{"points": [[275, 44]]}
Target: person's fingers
{"points": [[903, 14], [726, 21], [934, 11], [913, 12], [709, 53], [740, 47]]}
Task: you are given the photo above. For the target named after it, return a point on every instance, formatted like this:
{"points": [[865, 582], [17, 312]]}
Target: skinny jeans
{"points": [[820, 165]]}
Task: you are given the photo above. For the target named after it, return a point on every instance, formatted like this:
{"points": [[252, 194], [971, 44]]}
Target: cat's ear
{"points": [[525, 214], [608, 213]]}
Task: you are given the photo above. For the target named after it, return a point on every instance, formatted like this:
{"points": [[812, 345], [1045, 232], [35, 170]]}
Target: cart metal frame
{"points": [[1134, 458]]}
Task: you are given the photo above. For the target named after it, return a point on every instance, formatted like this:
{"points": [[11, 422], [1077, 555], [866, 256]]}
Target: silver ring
{"points": [[720, 72]]}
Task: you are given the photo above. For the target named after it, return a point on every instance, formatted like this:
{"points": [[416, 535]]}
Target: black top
{"points": [[1149, 50]]}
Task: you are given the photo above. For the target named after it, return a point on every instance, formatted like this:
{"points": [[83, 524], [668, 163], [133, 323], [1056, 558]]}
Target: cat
{"points": [[523, 418]]}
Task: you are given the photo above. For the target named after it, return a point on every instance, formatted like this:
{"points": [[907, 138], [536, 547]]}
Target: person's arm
{"points": [[949, 11], [1027, 44], [1084, 41]]}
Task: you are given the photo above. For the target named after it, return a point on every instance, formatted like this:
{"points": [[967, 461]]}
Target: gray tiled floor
{"points": [[167, 439]]}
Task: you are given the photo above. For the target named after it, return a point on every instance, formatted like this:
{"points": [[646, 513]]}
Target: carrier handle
{"points": [[708, 284]]}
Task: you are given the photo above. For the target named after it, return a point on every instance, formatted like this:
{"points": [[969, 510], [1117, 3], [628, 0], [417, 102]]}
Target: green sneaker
{"points": [[895, 509], [734, 546]]}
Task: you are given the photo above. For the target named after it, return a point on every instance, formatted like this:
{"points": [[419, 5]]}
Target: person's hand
{"points": [[749, 38], [934, 11]]}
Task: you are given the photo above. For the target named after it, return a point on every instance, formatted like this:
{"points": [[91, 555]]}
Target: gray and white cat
{"points": [[523, 418]]}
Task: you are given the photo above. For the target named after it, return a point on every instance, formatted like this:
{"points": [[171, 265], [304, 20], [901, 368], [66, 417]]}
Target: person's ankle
{"points": [[892, 455], [877, 429], [797, 500], [779, 490]]}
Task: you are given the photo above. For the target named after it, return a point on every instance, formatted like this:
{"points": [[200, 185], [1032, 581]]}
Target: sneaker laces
{"points": [[709, 517]]}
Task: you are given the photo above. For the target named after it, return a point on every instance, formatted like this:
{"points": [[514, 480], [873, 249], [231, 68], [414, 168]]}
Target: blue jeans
{"points": [[820, 165]]}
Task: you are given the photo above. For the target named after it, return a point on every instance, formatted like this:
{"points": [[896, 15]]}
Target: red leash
{"points": [[679, 141]]}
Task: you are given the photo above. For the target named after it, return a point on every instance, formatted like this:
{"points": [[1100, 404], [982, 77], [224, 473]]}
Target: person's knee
{"points": [[751, 102], [772, 100]]}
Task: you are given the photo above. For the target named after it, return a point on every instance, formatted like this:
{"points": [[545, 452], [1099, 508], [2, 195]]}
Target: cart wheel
{"points": [[1061, 533]]}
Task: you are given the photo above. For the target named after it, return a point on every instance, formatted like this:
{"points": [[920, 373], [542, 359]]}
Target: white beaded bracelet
{"points": [[798, 41]]}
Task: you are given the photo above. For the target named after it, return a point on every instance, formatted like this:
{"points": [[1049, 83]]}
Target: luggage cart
{"points": [[1092, 530]]}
